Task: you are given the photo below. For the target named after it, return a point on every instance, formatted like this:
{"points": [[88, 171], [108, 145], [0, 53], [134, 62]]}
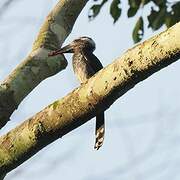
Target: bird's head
{"points": [[80, 44]]}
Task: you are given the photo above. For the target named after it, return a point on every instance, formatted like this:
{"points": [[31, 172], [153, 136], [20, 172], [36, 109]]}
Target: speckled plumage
{"points": [[85, 65]]}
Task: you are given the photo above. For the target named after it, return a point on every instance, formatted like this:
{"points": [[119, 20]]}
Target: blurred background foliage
{"points": [[162, 12]]}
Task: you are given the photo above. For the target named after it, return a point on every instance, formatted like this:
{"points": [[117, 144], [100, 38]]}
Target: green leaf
{"points": [[160, 2], [157, 18], [132, 11], [134, 5], [144, 2], [169, 20], [138, 31], [115, 10], [176, 10], [94, 11], [174, 16], [103, 2]]}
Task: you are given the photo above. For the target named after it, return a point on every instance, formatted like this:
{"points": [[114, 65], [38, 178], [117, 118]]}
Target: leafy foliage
{"points": [[138, 31], [133, 7], [157, 18], [161, 13], [115, 10], [95, 9], [173, 16]]}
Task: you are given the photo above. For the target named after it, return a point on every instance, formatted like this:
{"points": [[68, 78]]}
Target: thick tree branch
{"points": [[96, 95], [37, 66]]}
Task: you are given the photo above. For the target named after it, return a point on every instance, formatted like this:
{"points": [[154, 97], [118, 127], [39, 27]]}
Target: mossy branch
{"points": [[37, 66], [94, 96]]}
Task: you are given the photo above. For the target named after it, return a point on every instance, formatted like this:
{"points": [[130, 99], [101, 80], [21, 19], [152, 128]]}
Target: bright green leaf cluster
{"points": [[162, 13]]}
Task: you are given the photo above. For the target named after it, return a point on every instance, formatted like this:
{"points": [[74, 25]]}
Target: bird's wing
{"points": [[94, 62]]}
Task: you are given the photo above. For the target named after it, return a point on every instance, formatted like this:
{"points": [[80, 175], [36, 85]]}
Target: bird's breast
{"points": [[82, 67]]}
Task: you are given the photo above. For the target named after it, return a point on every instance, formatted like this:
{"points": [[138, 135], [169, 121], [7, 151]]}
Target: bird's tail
{"points": [[100, 130]]}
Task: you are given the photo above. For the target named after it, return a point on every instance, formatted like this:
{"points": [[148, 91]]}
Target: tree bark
{"points": [[94, 96], [37, 66]]}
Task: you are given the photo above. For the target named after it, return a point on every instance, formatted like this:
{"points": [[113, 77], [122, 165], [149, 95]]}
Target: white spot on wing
{"points": [[102, 130], [101, 140]]}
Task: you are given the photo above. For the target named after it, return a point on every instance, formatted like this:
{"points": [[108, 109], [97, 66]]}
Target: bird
{"points": [[85, 65]]}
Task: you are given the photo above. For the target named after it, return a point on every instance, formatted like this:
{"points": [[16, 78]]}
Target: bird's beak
{"points": [[65, 49]]}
